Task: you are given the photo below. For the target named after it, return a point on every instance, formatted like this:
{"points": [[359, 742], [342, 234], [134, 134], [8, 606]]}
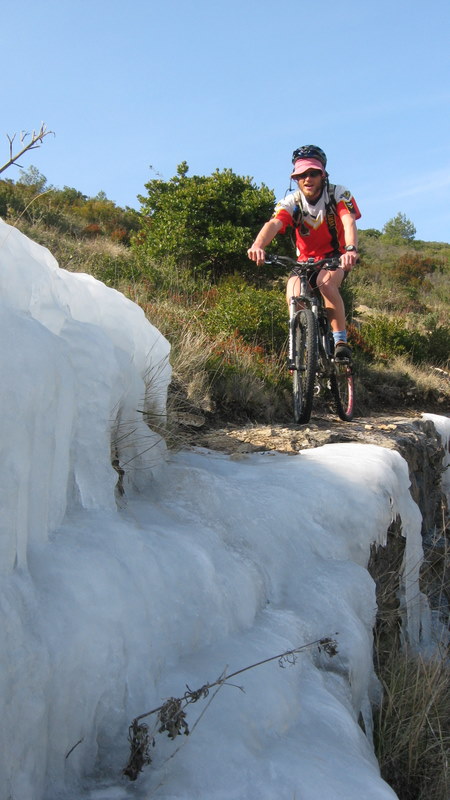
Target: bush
{"points": [[437, 349], [412, 269], [399, 229], [258, 316], [203, 223], [371, 233], [166, 280], [246, 384], [385, 337], [66, 209], [113, 271]]}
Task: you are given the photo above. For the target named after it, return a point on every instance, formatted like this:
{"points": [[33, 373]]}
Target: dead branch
{"points": [[172, 718], [36, 140]]}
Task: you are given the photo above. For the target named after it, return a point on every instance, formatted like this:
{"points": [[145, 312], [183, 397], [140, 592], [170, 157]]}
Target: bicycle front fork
{"points": [[292, 314]]}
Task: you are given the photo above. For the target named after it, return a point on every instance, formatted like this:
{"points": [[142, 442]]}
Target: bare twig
{"points": [[36, 140], [171, 715], [73, 748], [327, 644]]}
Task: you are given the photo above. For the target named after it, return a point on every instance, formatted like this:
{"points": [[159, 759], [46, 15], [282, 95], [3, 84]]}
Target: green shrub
{"points": [[112, 270], [247, 384], [65, 210], [386, 336], [371, 233], [166, 279], [399, 229], [437, 350], [203, 222], [259, 316], [412, 269]]}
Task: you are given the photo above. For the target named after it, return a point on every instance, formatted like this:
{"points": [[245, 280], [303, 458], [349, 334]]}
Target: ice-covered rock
{"points": [[79, 364]]}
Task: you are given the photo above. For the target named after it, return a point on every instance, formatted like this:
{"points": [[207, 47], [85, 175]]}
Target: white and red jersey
{"points": [[318, 227]]}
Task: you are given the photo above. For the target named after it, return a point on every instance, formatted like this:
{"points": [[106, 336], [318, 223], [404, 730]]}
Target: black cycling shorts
{"points": [[313, 273]]}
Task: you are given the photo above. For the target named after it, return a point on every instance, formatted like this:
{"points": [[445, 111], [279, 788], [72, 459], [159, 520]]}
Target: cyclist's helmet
{"points": [[308, 156], [310, 151]]}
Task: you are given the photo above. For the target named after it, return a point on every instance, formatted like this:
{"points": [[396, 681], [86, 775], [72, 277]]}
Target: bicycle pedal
{"points": [[343, 361]]}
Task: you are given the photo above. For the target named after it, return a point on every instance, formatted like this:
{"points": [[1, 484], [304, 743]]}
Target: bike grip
{"points": [[336, 264]]}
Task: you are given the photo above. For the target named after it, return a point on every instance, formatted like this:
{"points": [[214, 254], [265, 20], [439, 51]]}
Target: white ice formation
{"points": [[211, 563]]}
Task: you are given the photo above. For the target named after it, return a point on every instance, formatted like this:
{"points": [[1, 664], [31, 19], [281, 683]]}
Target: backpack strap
{"points": [[297, 219], [297, 215], [330, 216]]}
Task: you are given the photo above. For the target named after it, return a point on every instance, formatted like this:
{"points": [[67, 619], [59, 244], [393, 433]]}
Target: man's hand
{"points": [[257, 254], [348, 260], [268, 232]]}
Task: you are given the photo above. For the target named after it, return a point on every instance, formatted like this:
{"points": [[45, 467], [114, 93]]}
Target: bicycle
{"points": [[311, 346]]}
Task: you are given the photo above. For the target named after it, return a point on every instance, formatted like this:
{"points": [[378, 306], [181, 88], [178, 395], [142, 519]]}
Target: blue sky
{"points": [[130, 86]]}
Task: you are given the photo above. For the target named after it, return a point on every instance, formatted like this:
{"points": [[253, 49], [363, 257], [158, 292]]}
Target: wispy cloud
{"points": [[399, 104], [425, 184]]}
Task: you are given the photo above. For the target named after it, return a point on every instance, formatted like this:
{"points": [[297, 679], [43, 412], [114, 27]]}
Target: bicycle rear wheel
{"points": [[343, 390], [305, 364]]}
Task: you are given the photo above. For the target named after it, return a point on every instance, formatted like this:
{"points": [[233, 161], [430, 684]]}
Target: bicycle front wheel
{"points": [[343, 390], [304, 352]]}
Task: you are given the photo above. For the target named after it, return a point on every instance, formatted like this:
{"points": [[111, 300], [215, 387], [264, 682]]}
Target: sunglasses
{"points": [[310, 173]]}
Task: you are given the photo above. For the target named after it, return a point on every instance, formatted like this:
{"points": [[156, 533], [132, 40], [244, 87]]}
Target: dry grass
{"points": [[400, 384], [215, 375], [190, 392], [101, 257], [412, 726], [427, 379]]}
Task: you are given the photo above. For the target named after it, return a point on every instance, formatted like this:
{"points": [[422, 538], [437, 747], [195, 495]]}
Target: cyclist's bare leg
{"points": [[293, 289], [329, 282]]}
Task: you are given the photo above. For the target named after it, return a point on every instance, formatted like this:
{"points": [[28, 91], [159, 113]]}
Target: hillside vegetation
{"points": [[183, 259]]}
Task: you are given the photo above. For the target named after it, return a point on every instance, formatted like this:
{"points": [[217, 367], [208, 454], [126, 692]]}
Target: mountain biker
{"points": [[324, 218]]}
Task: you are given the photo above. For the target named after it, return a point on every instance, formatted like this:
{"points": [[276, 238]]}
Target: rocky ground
{"points": [[384, 430]]}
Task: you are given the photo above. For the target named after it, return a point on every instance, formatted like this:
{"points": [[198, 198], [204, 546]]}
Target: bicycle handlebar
{"points": [[331, 263]]}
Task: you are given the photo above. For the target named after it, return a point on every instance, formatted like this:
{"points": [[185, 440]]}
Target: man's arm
{"points": [[348, 260], [268, 232]]}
